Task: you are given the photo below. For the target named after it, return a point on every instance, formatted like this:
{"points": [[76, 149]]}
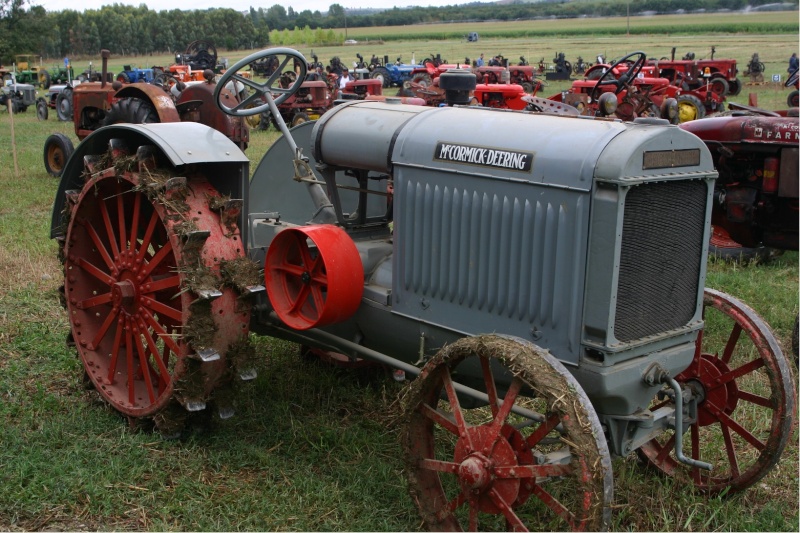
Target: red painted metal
{"points": [[125, 283], [314, 285], [746, 400]]}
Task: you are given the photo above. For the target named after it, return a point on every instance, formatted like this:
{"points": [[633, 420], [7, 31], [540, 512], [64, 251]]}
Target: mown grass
{"points": [[311, 447]]}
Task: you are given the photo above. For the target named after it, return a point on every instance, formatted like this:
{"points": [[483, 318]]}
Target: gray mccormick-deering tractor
{"points": [[550, 302]]}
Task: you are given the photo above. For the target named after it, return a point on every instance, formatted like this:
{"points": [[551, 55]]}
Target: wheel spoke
{"points": [[754, 398], [112, 367], [663, 454], [300, 299], [165, 251], [729, 449], [112, 238], [735, 426], [505, 409], [512, 518], [101, 247], [160, 331], [446, 467], [491, 389], [148, 235], [94, 301], [455, 406], [143, 364], [743, 370], [162, 367], [162, 284], [532, 471], [123, 237], [473, 516], [137, 206], [541, 432], [163, 309], [101, 333], [129, 355], [94, 271], [440, 418], [731, 344], [319, 301], [290, 269], [554, 505]]}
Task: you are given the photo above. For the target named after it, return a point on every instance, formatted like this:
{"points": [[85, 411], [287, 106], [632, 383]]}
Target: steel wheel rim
{"points": [[151, 316], [489, 473], [746, 411]]}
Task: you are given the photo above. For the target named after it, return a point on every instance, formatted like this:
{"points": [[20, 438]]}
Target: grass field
{"points": [[311, 447]]}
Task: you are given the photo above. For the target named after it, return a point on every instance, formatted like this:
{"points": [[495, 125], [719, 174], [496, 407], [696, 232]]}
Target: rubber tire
{"points": [[695, 109], [734, 87], [381, 73], [527, 87], [57, 151], [41, 109], [64, 109], [44, 79], [131, 111], [720, 86], [793, 100], [123, 77], [300, 118]]}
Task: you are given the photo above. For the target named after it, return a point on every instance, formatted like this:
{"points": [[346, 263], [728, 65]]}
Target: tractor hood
{"points": [[746, 129]]}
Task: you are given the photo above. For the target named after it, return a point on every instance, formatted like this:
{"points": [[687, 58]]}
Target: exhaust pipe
{"points": [[105, 54]]}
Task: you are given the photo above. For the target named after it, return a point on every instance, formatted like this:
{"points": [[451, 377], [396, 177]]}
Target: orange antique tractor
{"points": [[540, 277], [96, 104]]}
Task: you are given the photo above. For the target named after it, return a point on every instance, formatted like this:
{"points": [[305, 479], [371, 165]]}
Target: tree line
{"points": [[128, 30]]}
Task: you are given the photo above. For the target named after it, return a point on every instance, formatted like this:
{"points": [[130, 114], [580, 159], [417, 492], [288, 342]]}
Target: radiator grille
{"points": [[660, 259]]}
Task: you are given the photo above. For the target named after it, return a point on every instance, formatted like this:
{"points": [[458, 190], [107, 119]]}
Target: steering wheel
{"points": [[625, 78], [261, 91]]}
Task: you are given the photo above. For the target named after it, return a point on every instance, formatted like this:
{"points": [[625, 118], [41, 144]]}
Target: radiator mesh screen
{"points": [[660, 259]]}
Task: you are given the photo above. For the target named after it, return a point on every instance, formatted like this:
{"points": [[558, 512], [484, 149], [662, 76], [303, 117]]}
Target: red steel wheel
{"points": [[544, 466], [131, 282], [313, 285], [747, 401]]}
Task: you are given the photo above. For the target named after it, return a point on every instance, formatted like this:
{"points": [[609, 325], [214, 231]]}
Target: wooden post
{"points": [[13, 138]]}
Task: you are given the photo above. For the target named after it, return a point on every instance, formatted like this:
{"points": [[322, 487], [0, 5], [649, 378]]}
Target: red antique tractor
{"points": [[719, 75], [96, 104], [629, 88], [756, 194], [548, 302]]}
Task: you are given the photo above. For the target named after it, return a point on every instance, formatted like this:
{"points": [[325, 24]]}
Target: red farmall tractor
{"points": [[96, 104], [549, 303], [756, 194]]}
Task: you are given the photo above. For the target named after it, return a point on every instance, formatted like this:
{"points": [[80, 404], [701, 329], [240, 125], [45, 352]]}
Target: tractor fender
{"points": [[182, 143], [162, 102]]}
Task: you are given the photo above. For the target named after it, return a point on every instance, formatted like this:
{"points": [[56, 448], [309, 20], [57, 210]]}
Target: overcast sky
{"points": [[239, 5]]}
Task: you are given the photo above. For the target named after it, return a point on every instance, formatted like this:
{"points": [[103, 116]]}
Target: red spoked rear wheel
{"points": [[747, 401], [148, 312]]}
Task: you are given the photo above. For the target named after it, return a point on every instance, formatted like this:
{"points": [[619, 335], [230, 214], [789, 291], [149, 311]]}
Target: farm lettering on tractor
{"points": [[488, 157]]}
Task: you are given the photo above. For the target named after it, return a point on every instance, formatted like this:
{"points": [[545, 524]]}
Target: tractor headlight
{"points": [[608, 103]]}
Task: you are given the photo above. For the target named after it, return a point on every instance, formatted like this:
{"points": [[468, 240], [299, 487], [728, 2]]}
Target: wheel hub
{"points": [[123, 294], [474, 472], [713, 394]]}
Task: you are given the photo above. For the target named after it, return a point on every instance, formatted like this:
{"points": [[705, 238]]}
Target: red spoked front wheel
{"points": [[746, 401], [519, 463]]}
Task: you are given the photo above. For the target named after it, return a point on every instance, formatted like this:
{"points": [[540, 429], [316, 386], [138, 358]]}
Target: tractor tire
{"points": [[64, 105], [424, 79], [381, 73], [793, 100], [719, 86], [722, 247], [734, 87], [44, 79], [123, 77], [41, 108], [300, 118], [131, 110], [690, 108], [57, 151]]}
